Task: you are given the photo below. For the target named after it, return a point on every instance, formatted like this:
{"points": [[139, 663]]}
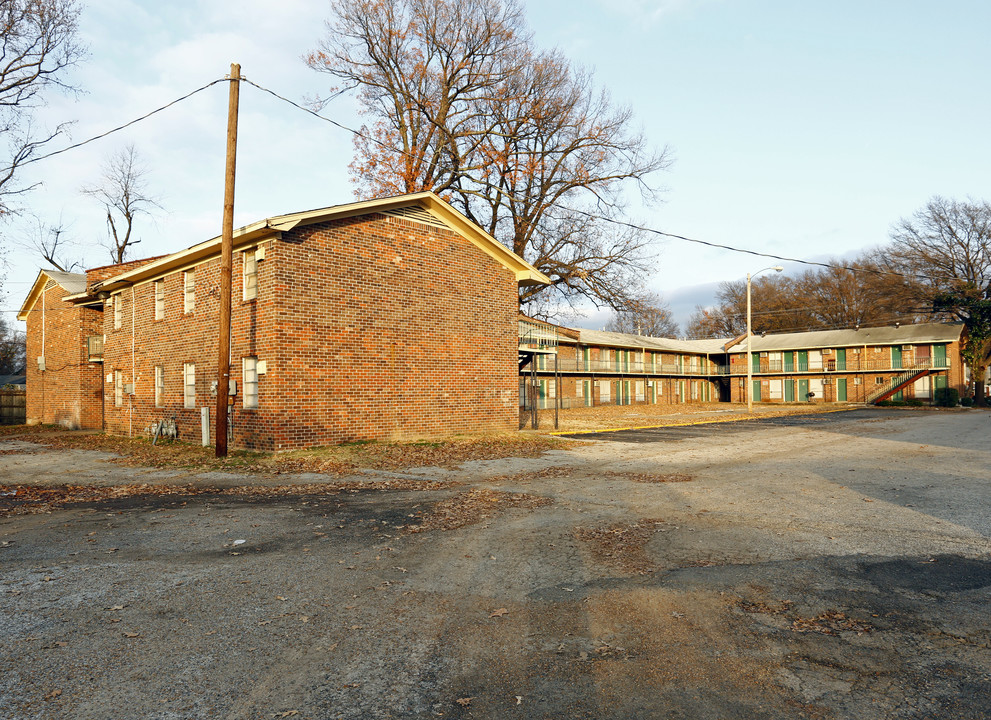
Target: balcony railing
{"points": [[777, 366], [630, 367], [537, 336]]}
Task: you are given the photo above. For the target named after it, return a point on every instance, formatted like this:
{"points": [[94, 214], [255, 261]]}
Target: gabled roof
{"points": [[885, 335], [72, 283], [422, 206]]}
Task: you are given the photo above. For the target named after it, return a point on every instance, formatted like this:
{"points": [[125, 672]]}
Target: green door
{"points": [[789, 359], [803, 366], [840, 387], [896, 358], [789, 389], [756, 362], [841, 360], [756, 395], [900, 395], [939, 357], [803, 389], [939, 381]]}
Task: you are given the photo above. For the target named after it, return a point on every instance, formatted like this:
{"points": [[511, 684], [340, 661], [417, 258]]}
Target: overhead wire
{"points": [[603, 218], [102, 135]]}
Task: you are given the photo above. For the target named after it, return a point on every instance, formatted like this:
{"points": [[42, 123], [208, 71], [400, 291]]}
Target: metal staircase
{"points": [[913, 373]]}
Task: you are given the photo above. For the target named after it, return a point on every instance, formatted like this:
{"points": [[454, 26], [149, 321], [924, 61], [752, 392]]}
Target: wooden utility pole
{"points": [[226, 255]]}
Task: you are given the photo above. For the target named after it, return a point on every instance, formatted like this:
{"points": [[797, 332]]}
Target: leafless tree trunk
{"points": [[50, 241], [123, 192]]}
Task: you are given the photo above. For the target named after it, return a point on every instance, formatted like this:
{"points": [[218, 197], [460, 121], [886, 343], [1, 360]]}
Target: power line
{"points": [[116, 129], [594, 216]]}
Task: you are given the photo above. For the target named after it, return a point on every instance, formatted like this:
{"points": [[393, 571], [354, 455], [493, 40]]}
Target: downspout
{"points": [[130, 402], [44, 301]]}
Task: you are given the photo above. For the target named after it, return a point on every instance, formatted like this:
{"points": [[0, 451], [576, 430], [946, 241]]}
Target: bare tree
{"points": [[844, 294], [123, 192], [12, 348], [462, 103], [51, 241], [648, 315], [39, 44], [946, 246]]}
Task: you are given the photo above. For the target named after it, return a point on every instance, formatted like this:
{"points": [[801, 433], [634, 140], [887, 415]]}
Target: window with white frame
{"points": [[159, 386], [189, 385], [118, 312], [249, 376], [189, 291], [159, 299], [118, 388], [250, 280]]}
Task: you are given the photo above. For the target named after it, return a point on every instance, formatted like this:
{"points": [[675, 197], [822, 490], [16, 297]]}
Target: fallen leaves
{"points": [[831, 623], [468, 508], [651, 477], [336, 460], [622, 546], [465, 701], [501, 612]]}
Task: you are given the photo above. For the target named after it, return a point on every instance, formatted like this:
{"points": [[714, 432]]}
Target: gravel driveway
{"points": [[830, 569]]}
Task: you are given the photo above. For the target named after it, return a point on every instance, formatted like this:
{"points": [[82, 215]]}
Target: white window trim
{"points": [[159, 386], [249, 379], [189, 386], [118, 312], [189, 291], [249, 291], [159, 299]]}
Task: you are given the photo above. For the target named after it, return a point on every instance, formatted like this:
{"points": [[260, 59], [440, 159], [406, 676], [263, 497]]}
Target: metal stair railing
{"points": [[912, 373]]}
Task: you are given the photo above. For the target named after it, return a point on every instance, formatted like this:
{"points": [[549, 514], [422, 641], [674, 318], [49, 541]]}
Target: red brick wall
{"points": [[67, 392], [371, 328]]}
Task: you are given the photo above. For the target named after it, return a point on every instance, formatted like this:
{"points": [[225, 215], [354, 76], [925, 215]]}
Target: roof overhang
{"points": [[525, 273]]}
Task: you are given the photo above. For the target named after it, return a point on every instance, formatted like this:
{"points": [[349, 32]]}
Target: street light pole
{"points": [[750, 360]]}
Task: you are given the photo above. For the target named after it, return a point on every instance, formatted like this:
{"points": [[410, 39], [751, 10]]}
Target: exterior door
{"points": [[755, 363], [789, 363], [840, 388], [789, 389], [803, 365], [803, 390], [756, 390], [841, 359], [896, 357], [939, 356]]}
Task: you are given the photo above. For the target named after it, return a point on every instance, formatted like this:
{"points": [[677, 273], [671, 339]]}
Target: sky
{"points": [[797, 129]]}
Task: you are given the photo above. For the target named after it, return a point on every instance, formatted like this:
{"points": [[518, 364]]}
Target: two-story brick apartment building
{"points": [[392, 318], [590, 367]]}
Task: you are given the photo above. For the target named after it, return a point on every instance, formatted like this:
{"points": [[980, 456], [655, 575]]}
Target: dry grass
{"points": [[336, 460], [607, 417]]}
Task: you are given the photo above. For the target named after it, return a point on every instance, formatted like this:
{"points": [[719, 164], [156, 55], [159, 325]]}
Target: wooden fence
{"points": [[13, 408]]}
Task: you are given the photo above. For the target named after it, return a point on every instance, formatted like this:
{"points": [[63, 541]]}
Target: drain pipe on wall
{"points": [[134, 380]]}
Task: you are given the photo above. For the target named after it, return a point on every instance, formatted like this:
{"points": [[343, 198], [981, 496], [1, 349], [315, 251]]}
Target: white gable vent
{"points": [[416, 214]]}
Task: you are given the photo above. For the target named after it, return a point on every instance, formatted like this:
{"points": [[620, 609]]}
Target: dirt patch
{"points": [[472, 507], [622, 546], [651, 477]]}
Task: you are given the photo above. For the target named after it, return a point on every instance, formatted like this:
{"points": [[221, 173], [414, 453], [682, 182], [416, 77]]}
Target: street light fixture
{"points": [[750, 359]]}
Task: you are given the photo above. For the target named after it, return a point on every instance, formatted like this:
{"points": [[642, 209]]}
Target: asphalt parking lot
{"points": [[833, 567]]}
